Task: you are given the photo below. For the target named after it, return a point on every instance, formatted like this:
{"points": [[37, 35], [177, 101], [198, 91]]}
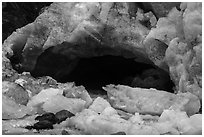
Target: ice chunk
{"points": [[150, 101]]}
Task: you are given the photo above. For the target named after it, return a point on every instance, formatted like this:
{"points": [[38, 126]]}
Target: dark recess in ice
{"points": [[96, 72]]}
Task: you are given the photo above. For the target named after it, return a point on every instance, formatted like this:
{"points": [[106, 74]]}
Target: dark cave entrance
{"points": [[95, 72]]}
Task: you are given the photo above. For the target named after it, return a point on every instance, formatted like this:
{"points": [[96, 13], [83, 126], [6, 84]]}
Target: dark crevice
{"points": [[50, 64], [16, 61], [96, 72]]}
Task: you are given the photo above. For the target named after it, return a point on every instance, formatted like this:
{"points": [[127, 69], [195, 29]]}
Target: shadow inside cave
{"points": [[95, 72]]}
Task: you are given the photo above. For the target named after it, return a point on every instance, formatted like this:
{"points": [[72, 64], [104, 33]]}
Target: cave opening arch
{"points": [[98, 71]]}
